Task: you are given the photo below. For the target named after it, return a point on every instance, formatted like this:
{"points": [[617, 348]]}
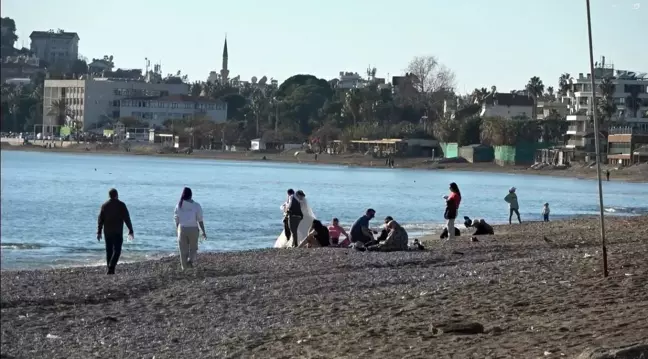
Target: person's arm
{"points": [[367, 232], [100, 222], [508, 198], [176, 219], [344, 232], [127, 219], [201, 223]]}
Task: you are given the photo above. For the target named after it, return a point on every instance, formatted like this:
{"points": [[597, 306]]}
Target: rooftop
{"points": [[508, 99], [176, 98], [54, 34]]}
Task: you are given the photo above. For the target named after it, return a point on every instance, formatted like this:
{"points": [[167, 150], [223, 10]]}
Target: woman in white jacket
{"points": [[188, 216]]}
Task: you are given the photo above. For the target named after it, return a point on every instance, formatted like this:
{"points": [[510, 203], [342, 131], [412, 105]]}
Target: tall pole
{"points": [[597, 143]]}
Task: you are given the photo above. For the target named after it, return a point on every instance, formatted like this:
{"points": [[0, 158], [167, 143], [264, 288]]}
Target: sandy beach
{"points": [[532, 291], [637, 173]]}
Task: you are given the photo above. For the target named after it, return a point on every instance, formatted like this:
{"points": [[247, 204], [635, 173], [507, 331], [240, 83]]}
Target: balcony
{"points": [[572, 118]]}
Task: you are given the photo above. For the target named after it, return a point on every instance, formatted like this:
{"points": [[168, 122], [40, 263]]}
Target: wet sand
{"points": [[637, 173], [532, 291]]}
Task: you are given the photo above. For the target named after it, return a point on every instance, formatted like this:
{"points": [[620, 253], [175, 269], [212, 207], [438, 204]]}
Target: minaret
{"points": [[224, 71]]}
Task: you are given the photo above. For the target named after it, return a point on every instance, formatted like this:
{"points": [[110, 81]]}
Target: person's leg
{"points": [[193, 235], [109, 251], [546, 217], [511, 210], [183, 247], [117, 242], [451, 229], [286, 229], [294, 224], [517, 213]]}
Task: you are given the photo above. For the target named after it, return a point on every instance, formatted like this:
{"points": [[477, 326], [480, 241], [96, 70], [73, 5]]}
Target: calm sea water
{"points": [[50, 201]]}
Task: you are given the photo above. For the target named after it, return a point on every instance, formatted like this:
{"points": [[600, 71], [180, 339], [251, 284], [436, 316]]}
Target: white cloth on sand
{"points": [[302, 230]]}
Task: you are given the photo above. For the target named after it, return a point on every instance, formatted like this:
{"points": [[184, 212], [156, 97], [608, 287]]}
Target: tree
{"points": [[633, 102], [79, 67], [564, 84], [497, 131], [60, 111], [431, 76], [605, 104], [550, 95], [535, 88], [9, 36]]}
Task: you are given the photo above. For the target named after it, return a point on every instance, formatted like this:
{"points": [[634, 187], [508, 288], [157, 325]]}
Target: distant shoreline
{"points": [[634, 175]]}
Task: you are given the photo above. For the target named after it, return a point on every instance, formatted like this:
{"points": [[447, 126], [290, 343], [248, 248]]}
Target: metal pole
{"points": [[597, 143]]}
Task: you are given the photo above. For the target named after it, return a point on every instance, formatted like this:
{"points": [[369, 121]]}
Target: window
{"points": [[617, 148], [174, 105]]}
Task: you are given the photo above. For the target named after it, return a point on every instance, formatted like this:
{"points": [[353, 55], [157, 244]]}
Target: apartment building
{"points": [[93, 101], [55, 46], [623, 142], [156, 110]]}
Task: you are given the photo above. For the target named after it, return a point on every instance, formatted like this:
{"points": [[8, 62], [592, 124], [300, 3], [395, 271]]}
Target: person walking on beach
{"points": [[188, 216], [512, 199], [452, 209], [607, 175], [112, 216], [545, 212]]}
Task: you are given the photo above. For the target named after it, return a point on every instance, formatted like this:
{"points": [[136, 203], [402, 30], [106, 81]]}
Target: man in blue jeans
{"points": [[112, 216]]}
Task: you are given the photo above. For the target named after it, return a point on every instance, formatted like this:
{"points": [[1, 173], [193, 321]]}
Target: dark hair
{"points": [[186, 195], [371, 210], [454, 188], [317, 224], [335, 219], [388, 219], [301, 193], [112, 193], [291, 192]]}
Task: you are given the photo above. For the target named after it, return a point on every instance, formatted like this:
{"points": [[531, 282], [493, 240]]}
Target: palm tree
{"points": [[605, 105], [60, 111], [535, 88], [564, 84], [550, 96], [633, 102], [479, 95]]}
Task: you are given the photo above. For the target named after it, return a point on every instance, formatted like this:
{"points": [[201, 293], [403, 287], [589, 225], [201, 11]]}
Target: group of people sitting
{"points": [[480, 225], [392, 237]]}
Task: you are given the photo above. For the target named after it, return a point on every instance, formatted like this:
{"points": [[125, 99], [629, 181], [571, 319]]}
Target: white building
{"points": [[350, 80], [507, 105], [156, 110], [93, 101], [579, 101], [55, 46]]}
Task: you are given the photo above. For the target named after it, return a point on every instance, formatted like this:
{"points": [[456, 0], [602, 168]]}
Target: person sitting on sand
{"points": [[385, 230], [444, 234], [318, 236], [188, 217], [397, 239], [360, 232], [467, 222], [514, 207], [335, 231]]}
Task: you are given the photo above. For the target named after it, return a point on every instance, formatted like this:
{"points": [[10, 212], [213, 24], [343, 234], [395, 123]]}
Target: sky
{"points": [[486, 43]]}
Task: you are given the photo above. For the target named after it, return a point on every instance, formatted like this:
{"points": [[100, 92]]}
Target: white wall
{"points": [[507, 111]]}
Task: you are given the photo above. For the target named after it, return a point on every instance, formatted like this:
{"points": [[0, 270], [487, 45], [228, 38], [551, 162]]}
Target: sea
{"points": [[50, 201]]}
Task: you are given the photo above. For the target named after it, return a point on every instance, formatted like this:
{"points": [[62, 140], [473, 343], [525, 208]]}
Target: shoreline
{"points": [[633, 174], [532, 290]]}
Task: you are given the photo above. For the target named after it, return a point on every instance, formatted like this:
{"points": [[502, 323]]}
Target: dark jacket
{"points": [[294, 208], [112, 217], [444, 234], [483, 228]]}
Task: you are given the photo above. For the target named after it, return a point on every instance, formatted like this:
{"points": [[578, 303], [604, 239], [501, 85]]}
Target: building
{"points": [[21, 66], [507, 105], [350, 80], [95, 101], [156, 110], [547, 109], [623, 142], [55, 46]]}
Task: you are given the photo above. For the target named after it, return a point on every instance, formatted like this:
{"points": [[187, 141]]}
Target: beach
{"points": [[533, 290], [636, 173]]}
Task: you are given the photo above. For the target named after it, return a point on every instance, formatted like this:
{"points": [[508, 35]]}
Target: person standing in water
{"points": [[112, 216], [452, 209], [512, 199], [188, 216]]}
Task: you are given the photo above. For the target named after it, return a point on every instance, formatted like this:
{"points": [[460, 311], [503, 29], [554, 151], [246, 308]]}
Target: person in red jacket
{"points": [[452, 209]]}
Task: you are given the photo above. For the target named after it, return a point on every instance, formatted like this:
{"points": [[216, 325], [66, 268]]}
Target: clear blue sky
{"points": [[498, 42]]}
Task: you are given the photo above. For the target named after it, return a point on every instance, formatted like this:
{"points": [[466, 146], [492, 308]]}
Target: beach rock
{"points": [[636, 351], [461, 327]]}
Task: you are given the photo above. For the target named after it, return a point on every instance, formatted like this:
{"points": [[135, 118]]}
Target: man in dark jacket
{"points": [[112, 216]]}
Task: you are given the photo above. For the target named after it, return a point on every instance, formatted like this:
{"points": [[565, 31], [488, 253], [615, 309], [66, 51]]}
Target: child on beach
{"points": [[545, 212]]}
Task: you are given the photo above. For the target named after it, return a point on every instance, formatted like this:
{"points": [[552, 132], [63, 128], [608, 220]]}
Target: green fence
{"points": [[520, 154], [450, 149]]}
